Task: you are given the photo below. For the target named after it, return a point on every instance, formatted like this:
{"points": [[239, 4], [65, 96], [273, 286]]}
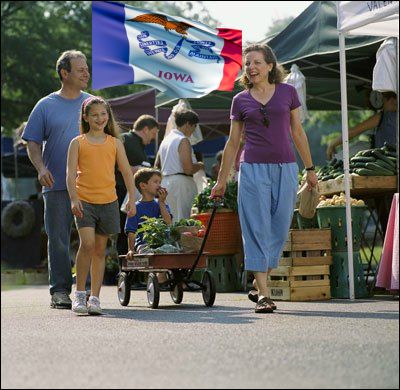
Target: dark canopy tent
{"points": [[311, 41], [127, 109]]}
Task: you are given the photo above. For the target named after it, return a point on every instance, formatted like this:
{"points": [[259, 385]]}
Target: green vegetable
{"points": [[328, 177], [391, 154], [187, 222], [203, 202], [365, 172], [390, 147], [155, 232], [358, 165], [362, 159], [381, 156], [378, 168], [370, 172], [385, 165]]}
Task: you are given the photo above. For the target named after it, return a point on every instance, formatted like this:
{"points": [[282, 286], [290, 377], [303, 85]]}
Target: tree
{"points": [[278, 26], [35, 33]]}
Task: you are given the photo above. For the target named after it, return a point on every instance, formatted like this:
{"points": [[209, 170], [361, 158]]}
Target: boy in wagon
{"points": [[148, 182]]}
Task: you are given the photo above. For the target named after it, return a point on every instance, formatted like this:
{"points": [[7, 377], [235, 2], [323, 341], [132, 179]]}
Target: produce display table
{"points": [[375, 190], [360, 186]]}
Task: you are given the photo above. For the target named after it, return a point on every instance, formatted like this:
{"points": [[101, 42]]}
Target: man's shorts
{"points": [[104, 218]]}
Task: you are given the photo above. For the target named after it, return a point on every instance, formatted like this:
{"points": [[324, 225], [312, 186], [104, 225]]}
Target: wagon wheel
{"points": [[153, 291], [177, 292], [209, 289], [124, 288]]}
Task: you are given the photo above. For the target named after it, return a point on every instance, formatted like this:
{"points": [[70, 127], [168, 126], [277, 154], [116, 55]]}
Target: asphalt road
{"points": [[333, 344]]}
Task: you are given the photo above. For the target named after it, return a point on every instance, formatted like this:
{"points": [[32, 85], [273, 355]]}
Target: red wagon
{"points": [[179, 268]]}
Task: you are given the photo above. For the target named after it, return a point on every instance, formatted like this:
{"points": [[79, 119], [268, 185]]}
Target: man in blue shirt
{"points": [[51, 126]]}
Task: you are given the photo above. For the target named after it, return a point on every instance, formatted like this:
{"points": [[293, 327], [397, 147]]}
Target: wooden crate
{"points": [[307, 247], [316, 293], [359, 185], [303, 272]]}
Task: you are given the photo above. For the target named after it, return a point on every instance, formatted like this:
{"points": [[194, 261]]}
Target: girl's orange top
{"points": [[95, 182]]}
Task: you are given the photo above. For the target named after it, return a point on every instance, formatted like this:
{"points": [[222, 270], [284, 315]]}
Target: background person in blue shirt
{"points": [[52, 125], [148, 182]]}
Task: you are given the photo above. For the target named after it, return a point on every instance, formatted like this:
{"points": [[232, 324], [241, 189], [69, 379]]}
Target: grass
{"points": [[377, 254]]}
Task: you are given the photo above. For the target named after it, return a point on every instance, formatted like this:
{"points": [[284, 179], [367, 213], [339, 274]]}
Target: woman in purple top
{"points": [[268, 111]]}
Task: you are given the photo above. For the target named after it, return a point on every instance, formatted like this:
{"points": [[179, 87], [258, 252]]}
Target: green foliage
{"points": [[187, 222], [326, 139], [203, 202], [35, 33], [323, 126], [279, 25], [155, 232]]}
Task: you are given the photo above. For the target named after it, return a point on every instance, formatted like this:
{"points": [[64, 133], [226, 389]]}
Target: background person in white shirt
{"points": [[178, 164]]}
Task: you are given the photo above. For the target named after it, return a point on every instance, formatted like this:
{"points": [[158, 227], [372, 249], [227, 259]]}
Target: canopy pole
{"points": [[156, 140], [345, 140]]}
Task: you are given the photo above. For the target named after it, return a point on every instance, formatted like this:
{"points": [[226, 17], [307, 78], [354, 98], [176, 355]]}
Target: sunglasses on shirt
{"points": [[263, 110]]}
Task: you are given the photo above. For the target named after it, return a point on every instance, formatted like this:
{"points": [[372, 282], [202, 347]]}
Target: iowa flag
{"points": [[181, 57]]}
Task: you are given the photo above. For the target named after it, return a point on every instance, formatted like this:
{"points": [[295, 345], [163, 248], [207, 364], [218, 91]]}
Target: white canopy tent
{"points": [[361, 18]]}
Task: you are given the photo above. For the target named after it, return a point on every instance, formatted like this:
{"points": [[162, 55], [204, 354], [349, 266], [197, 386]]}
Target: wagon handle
{"points": [[217, 202]]}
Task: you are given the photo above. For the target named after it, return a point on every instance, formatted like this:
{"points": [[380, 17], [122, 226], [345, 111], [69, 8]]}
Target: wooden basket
{"points": [[191, 244], [225, 235], [190, 229]]}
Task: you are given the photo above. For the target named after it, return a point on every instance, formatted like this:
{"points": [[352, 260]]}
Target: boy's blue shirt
{"points": [[149, 209]]}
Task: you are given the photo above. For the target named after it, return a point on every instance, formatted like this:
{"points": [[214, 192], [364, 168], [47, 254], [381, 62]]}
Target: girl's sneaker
{"points": [[79, 304], [93, 306]]}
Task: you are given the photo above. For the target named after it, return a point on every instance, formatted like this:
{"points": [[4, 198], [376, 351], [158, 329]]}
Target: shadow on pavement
{"points": [[382, 315], [185, 313]]}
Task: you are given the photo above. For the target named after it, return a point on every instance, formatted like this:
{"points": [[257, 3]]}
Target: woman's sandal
{"points": [[263, 306], [253, 296]]}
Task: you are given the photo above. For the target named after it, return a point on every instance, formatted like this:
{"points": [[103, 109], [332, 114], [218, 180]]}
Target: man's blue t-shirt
{"points": [[54, 122], [149, 209]]}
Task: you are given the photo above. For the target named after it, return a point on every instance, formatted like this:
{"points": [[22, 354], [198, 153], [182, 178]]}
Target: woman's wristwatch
{"points": [[312, 168]]}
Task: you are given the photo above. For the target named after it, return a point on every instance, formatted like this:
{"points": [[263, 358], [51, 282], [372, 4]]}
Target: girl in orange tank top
{"points": [[91, 185]]}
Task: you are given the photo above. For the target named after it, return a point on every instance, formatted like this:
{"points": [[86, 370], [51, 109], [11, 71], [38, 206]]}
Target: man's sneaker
{"points": [[93, 306], [79, 305], [60, 300]]}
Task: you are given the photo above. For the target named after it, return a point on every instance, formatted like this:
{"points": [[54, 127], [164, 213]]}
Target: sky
{"points": [[254, 18]]}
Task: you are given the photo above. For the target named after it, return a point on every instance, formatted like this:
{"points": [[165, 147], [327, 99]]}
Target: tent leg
{"points": [[345, 139], [156, 140]]}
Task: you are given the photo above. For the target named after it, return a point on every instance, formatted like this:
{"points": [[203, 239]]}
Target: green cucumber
{"points": [[363, 159], [358, 165], [366, 153], [390, 147], [366, 172], [390, 154], [378, 168], [381, 156], [327, 177], [385, 165]]}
